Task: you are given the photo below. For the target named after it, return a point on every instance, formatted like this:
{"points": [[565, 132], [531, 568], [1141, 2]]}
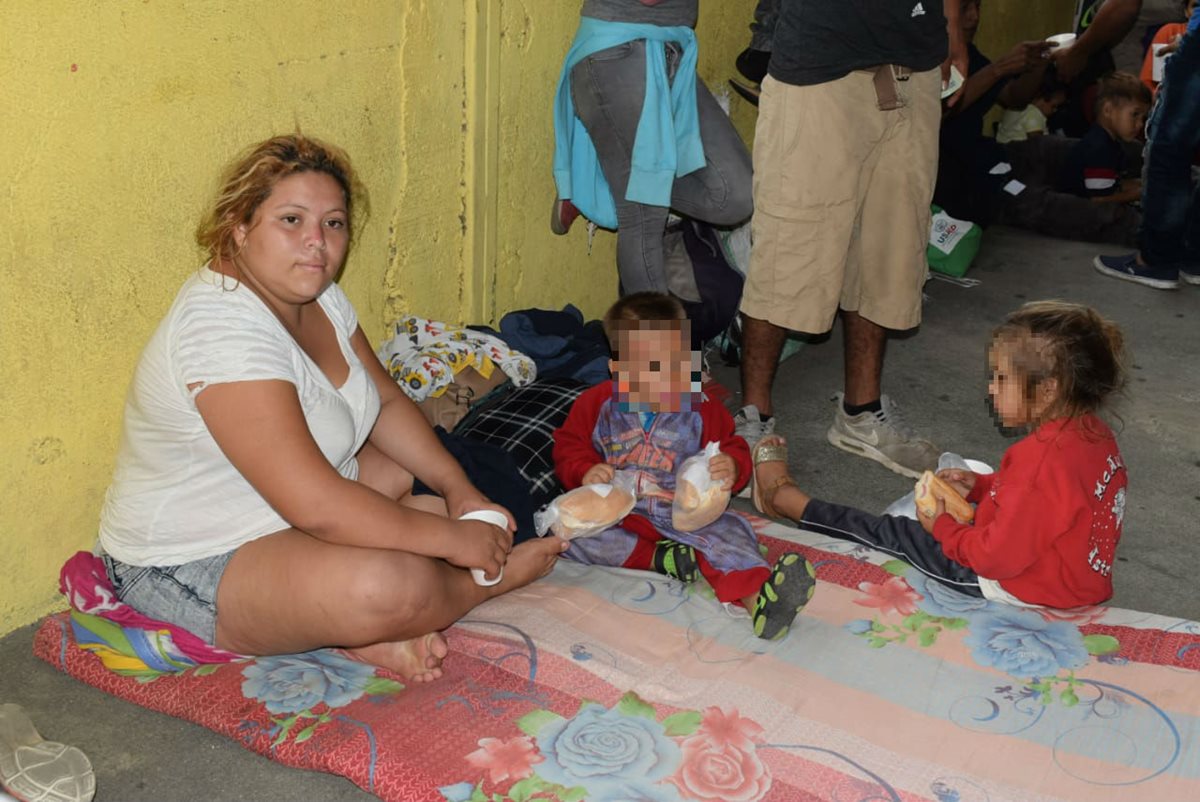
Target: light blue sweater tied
{"points": [[667, 143]]}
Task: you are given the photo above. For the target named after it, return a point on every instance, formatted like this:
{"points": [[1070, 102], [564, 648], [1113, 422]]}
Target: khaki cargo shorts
{"points": [[841, 202]]}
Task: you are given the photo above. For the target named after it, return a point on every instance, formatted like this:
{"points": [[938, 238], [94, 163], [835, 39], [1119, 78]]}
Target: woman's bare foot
{"points": [[775, 492], [417, 659], [528, 561]]}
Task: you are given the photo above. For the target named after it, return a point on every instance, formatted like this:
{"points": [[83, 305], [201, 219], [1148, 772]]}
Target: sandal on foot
{"points": [[764, 451], [676, 560], [783, 596], [34, 768]]}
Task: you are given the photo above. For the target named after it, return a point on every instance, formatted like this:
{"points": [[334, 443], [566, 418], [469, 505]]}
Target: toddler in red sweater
{"points": [[1048, 521], [647, 421]]}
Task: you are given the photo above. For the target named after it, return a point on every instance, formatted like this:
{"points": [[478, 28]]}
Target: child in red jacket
{"points": [[1047, 523], [647, 421]]}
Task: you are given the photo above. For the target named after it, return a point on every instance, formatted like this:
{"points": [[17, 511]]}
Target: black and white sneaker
{"points": [[1127, 268]]}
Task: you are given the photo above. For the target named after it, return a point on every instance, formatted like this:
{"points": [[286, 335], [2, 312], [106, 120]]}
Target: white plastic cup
{"points": [[978, 467], [495, 519], [1062, 40]]}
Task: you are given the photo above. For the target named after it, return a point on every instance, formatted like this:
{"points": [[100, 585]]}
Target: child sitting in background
{"points": [[649, 419], [1048, 522], [1094, 167], [1017, 125]]}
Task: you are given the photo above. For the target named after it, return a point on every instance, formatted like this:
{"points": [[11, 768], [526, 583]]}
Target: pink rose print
{"points": [[506, 760], [730, 729], [894, 594], [720, 773]]}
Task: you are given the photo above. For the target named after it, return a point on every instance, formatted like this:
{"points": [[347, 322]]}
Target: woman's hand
{"points": [[722, 468], [927, 520], [960, 480], [479, 544], [599, 474], [467, 498]]}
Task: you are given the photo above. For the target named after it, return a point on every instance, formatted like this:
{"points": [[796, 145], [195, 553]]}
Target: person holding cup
{"points": [[262, 498]]}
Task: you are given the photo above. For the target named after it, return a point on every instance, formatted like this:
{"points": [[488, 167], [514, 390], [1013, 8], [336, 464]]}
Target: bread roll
{"points": [[693, 509], [591, 508], [930, 488]]}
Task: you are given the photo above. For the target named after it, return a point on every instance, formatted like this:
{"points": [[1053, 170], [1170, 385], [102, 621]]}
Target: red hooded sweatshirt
{"points": [[1048, 521]]}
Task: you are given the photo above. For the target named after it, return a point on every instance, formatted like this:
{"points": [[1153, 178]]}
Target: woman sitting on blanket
{"points": [[1047, 525], [263, 495]]}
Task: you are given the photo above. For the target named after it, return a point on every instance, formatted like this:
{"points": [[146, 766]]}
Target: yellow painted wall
{"points": [[115, 118], [1003, 24]]}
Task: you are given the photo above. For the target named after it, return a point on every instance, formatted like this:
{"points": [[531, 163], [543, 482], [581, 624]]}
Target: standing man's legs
{"points": [[812, 145], [851, 235], [885, 272], [1169, 235], [762, 343], [609, 88], [864, 346], [720, 192], [1170, 230]]}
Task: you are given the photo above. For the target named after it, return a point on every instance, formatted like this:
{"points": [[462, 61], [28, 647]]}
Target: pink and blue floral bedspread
{"points": [[604, 684]]}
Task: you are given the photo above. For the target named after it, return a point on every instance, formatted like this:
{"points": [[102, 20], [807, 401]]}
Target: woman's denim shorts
{"points": [[184, 595]]}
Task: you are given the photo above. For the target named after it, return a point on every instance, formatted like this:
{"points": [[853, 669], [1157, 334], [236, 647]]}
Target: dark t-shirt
{"points": [[665, 12], [966, 186], [962, 133], [822, 40], [1093, 167]]}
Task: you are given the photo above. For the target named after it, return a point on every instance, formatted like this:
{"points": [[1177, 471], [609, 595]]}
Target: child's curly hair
{"points": [[1070, 343], [642, 307], [1123, 87]]}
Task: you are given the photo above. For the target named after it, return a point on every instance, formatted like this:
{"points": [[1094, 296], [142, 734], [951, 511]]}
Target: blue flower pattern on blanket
{"points": [[631, 749], [600, 748], [623, 753], [293, 683], [309, 686], [1023, 644], [943, 601], [1033, 644]]}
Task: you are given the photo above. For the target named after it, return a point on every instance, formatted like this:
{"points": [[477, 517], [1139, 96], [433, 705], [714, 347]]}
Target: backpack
{"points": [[700, 276]]}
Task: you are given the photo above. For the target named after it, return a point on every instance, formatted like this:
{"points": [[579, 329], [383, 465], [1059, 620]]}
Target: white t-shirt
{"points": [[175, 497]]}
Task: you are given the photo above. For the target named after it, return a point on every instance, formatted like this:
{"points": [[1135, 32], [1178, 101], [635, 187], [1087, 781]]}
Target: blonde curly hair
{"points": [[249, 180]]}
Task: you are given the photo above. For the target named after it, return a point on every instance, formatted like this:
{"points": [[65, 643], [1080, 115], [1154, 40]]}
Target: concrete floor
{"points": [[140, 755]]}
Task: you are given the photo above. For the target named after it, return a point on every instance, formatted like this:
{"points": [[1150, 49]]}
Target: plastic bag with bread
{"points": [[587, 510], [698, 499], [930, 488]]}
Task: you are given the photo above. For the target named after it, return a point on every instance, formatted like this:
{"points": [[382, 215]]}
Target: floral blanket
{"points": [[606, 684]]}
